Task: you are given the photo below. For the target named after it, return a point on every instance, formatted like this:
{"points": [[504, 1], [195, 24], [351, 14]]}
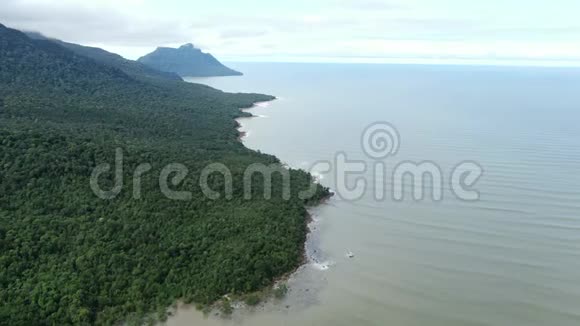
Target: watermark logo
{"points": [[380, 140], [380, 175]]}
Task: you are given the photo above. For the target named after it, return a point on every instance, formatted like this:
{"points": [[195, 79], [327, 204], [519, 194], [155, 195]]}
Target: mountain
{"points": [[130, 67], [186, 61], [69, 257]]}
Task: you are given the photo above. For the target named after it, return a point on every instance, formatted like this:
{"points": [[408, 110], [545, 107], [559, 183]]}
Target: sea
{"points": [[457, 193]]}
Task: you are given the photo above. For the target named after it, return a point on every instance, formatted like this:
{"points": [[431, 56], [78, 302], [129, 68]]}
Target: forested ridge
{"points": [[68, 257], [132, 68]]}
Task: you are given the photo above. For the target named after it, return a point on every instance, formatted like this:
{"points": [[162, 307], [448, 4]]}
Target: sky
{"points": [[545, 32]]}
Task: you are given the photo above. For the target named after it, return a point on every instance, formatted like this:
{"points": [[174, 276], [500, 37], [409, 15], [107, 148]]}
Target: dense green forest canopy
{"points": [[68, 257]]}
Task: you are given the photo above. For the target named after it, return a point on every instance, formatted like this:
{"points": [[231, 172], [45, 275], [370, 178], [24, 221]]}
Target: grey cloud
{"points": [[89, 24], [374, 5], [435, 23], [229, 25], [442, 30], [535, 33], [242, 33]]}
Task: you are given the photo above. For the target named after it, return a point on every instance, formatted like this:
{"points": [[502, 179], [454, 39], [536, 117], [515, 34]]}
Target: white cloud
{"points": [[310, 30]]}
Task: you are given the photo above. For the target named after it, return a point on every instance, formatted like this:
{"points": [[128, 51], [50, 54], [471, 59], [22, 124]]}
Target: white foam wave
{"points": [[317, 176], [322, 266], [262, 104]]}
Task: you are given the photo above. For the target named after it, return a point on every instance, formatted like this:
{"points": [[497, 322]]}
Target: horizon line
{"points": [[547, 63]]}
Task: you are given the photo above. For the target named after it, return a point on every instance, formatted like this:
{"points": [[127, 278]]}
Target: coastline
{"points": [[246, 114], [265, 294], [306, 258], [309, 220]]}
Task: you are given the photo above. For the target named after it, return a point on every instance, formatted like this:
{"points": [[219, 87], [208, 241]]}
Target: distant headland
{"points": [[186, 61]]}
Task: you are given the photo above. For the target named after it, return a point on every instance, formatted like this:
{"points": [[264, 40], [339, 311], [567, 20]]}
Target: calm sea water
{"points": [[511, 258]]}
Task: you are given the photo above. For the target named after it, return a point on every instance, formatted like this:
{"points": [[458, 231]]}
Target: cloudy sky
{"points": [[517, 31]]}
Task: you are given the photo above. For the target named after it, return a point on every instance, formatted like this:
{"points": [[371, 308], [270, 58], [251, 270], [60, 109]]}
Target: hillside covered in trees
{"points": [[69, 257], [132, 68]]}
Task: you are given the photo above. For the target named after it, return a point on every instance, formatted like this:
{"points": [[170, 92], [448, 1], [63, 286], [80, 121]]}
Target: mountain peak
{"points": [[186, 61], [188, 46]]}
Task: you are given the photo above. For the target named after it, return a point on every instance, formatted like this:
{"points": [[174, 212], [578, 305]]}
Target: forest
{"points": [[69, 257]]}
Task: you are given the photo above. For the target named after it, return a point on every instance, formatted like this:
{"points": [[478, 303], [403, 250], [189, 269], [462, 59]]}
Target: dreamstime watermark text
{"points": [[380, 175]]}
